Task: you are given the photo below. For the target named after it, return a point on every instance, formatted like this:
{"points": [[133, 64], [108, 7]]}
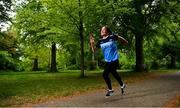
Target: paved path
{"points": [[150, 93]]}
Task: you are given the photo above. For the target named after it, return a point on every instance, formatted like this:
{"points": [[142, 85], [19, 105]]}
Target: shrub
{"points": [[155, 65], [92, 65], [9, 63], [73, 67]]}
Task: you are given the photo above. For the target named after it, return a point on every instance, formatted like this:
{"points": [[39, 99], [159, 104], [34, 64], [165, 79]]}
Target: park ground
{"points": [[66, 88]]}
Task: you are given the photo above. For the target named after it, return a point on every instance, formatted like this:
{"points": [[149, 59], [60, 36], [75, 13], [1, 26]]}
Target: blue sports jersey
{"points": [[109, 48]]}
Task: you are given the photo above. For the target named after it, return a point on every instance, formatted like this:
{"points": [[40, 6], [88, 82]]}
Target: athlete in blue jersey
{"points": [[107, 43]]}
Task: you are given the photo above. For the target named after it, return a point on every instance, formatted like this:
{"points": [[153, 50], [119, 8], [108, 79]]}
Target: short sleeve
{"points": [[114, 37]]}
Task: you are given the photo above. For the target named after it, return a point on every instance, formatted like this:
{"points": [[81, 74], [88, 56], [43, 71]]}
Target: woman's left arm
{"points": [[122, 40]]}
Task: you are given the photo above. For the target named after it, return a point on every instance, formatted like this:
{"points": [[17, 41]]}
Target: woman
{"points": [[108, 45]]}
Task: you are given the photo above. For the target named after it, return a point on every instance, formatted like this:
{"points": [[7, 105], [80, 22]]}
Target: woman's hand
{"points": [[92, 39], [92, 42]]}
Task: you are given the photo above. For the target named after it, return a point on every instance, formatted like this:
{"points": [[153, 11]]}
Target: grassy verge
{"points": [[18, 88]]}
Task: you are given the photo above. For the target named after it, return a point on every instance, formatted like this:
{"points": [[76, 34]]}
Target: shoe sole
{"points": [[109, 96]]}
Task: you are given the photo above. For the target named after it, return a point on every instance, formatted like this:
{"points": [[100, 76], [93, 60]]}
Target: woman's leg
{"points": [[117, 77], [114, 65], [106, 76]]}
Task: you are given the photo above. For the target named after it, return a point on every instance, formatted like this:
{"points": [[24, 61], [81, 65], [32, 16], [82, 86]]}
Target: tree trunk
{"points": [[81, 40], [35, 65], [173, 62], [53, 58], [139, 53], [93, 57]]}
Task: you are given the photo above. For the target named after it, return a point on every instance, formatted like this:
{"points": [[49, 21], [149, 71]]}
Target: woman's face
{"points": [[104, 31]]}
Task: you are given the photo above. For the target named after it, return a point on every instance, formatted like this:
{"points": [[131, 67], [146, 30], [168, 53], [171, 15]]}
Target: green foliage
{"points": [[8, 41], [92, 65], [9, 63], [9, 52], [161, 43], [73, 67], [126, 62], [38, 23], [5, 7]]}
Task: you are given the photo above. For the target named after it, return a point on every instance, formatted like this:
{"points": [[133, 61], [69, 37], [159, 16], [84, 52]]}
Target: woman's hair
{"points": [[108, 30]]}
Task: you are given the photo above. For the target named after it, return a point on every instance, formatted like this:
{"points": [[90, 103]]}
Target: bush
{"points": [[9, 63], [155, 65], [73, 67], [148, 67], [92, 65], [127, 65]]}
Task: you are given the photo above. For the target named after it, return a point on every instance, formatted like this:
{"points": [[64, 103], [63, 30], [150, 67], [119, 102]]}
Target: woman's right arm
{"points": [[122, 40], [92, 44]]}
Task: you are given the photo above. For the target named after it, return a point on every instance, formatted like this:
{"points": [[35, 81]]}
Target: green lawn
{"points": [[18, 88]]}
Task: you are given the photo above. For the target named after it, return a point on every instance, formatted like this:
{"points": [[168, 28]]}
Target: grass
{"points": [[18, 88]]}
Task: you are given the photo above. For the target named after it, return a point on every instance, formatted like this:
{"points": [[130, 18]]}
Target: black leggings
{"points": [[110, 67]]}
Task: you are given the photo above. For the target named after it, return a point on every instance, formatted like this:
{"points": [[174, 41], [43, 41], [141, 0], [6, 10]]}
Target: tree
{"points": [[35, 25], [142, 22], [170, 25], [138, 17], [9, 52], [68, 23], [5, 7], [26, 29], [72, 16]]}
